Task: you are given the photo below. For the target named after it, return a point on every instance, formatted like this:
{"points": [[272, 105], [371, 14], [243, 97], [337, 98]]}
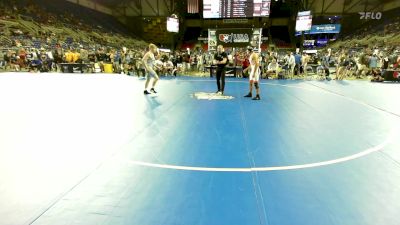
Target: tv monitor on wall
{"points": [[172, 24], [304, 21]]}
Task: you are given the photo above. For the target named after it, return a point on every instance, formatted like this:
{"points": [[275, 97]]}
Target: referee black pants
{"points": [[221, 79]]}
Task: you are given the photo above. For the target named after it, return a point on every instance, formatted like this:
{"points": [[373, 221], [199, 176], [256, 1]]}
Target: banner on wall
{"points": [[321, 42], [309, 43], [322, 29], [325, 29], [234, 38], [212, 40]]}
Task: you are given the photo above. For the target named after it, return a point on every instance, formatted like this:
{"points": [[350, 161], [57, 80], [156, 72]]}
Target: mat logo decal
{"points": [[210, 96]]}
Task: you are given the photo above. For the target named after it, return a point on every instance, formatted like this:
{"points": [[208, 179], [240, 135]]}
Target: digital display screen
{"points": [[303, 21], [213, 9], [172, 24]]}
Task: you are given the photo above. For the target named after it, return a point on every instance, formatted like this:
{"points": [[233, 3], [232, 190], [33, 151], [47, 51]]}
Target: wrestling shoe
{"points": [[249, 95]]}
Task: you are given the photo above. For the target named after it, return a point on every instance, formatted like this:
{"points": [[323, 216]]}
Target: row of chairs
{"points": [[315, 72]]}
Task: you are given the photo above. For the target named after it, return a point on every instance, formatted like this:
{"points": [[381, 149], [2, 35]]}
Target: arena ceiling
{"points": [[344, 7], [157, 8], [107, 2], [140, 7]]}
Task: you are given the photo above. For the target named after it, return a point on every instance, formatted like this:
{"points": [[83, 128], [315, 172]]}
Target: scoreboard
{"points": [[235, 8]]}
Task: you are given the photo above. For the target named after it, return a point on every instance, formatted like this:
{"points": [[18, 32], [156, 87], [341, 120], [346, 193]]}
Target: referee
{"points": [[220, 59]]}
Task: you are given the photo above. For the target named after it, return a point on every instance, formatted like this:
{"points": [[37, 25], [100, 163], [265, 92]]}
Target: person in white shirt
{"points": [[272, 67], [159, 65], [200, 62], [291, 64], [168, 67], [304, 62]]}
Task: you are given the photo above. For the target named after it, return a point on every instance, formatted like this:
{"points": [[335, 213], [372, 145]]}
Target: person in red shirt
{"points": [[246, 63]]}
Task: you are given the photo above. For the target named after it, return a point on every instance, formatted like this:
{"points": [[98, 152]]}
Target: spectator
{"points": [[297, 60], [45, 65], [2, 60], [246, 63], [68, 57], [326, 60], [373, 61], [304, 63], [75, 56], [169, 67], [84, 55], [272, 68], [291, 64], [58, 57]]}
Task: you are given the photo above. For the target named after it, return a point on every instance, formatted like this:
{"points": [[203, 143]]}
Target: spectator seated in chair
{"points": [[320, 71], [45, 63], [168, 66], [376, 75], [272, 69]]}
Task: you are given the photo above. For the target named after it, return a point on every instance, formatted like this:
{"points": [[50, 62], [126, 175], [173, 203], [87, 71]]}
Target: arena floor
{"points": [[92, 149]]}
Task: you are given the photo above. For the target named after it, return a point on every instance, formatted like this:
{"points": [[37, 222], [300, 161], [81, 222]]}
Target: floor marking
{"points": [[271, 168], [365, 152], [357, 101]]}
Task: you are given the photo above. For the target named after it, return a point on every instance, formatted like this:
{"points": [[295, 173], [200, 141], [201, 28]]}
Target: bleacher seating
{"points": [[373, 32], [49, 22]]}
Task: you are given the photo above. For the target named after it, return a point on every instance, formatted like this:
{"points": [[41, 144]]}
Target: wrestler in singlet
{"points": [[148, 62], [254, 76]]}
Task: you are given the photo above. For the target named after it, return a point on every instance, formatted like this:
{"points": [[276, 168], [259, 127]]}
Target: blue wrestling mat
{"points": [[92, 149]]}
